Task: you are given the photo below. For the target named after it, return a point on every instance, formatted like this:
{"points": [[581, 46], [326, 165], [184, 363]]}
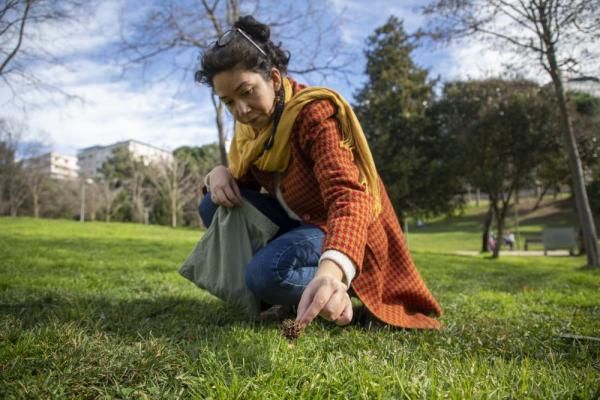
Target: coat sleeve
{"points": [[349, 206]]}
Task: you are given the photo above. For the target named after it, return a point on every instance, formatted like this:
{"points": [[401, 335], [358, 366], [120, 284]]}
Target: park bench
{"points": [[559, 238]]}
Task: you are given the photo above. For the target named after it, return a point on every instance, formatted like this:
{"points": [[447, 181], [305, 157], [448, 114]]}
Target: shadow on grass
{"points": [[176, 318], [464, 223], [85, 249], [559, 220], [456, 275], [191, 329]]}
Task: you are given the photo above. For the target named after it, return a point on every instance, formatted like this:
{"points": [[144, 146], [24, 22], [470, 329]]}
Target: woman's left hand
{"points": [[326, 295]]}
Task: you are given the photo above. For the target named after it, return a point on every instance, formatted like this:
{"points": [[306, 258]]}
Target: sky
{"points": [[107, 105]]}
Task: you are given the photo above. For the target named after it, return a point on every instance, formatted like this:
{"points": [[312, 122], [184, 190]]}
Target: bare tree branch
{"points": [[173, 34], [210, 11], [12, 54], [21, 22]]}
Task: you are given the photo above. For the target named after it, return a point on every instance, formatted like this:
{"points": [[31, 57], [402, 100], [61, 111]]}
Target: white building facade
{"points": [[584, 84], [56, 165], [92, 158]]}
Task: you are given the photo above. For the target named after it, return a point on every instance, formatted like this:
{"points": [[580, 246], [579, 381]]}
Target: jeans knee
{"points": [[207, 210], [256, 281]]}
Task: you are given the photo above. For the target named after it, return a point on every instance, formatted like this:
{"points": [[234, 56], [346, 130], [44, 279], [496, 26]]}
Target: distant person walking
{"points": [[491, 242]]}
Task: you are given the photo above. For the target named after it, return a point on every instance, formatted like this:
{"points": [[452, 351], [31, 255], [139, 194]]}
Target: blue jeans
{"points": [[279, 272]]}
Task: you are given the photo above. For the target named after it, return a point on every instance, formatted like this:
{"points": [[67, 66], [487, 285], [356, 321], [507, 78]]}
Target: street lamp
{"points": [[84, 182]]}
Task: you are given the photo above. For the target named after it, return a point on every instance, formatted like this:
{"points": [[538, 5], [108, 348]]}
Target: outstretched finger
{"points": [[318, 301], [305, 301]]}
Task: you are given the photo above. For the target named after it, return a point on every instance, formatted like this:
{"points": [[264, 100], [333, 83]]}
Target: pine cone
{"points": [[291, 329]]}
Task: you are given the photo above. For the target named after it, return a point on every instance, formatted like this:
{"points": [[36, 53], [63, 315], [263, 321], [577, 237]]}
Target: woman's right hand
{"points": [[223, 188]]}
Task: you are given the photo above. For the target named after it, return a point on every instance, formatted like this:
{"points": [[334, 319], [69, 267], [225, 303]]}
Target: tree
{"points": [[202, 160], [411, 154], [128, 173], [61, 199], [178, 31], [554, 172], [174, 182], [13, 190], [36, 180], [35, 169], [557, 35], [108, 191], [8, 164], [503, 131]]}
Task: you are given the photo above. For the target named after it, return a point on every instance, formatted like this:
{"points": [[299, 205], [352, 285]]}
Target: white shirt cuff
{"points": [[342, 261]]}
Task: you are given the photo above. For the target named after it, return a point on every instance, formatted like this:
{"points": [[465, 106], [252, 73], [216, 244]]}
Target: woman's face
{"points": [[248, 95]]}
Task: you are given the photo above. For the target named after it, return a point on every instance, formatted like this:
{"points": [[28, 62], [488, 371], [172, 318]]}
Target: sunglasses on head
{"points": [[223, 41], [227, 37]]}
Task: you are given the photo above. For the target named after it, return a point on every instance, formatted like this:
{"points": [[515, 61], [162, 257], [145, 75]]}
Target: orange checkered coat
{"points": [[321, 185]]}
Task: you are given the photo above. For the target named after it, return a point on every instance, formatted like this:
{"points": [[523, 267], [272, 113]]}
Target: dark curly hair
{"points": [[240, 52]]}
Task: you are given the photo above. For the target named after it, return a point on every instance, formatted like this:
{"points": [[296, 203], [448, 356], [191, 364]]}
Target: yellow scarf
{"points": [[247, 146]]}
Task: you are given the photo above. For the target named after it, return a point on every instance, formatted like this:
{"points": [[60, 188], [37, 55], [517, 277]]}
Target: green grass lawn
{"points": [[99, 311]]}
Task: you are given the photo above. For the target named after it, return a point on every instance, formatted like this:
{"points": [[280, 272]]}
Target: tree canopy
{"points": [[412, 157], [504, 129]]}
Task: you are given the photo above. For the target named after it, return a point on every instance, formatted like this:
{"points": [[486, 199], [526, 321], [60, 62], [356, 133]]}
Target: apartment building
{"points": [[56, 165], [584, 84], [92, 158]]}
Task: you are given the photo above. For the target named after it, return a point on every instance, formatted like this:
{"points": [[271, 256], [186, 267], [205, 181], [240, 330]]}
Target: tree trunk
{"points": [[233, 13], [500, 218], [174, 210], [499, 236], [108, 215], [220, 128], [504, 199], [137, 201], [487, 224], [36, 205], [586, 219]]}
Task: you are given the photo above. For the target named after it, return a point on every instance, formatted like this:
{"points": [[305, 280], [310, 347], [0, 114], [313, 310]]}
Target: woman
{"points": [[339, 235]]}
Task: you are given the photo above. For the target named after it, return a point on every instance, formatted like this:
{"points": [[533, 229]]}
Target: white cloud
{"points": [[91, 27], [475, 60], [113, 111], [362, 17]]}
